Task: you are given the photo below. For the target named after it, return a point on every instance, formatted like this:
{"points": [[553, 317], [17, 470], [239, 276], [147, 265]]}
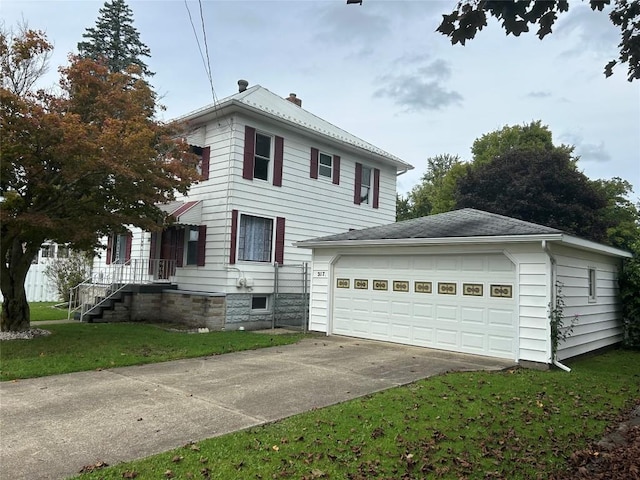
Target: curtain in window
{"points": [[255, 238]]}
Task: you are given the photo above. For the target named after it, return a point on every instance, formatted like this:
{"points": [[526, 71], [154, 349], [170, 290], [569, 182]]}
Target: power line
{"points": [[203, 55]]}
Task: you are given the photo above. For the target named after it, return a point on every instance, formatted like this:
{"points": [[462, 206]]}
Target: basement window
{"points": [[259, 302]]}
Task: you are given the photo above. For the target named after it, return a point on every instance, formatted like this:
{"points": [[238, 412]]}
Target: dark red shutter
{"points": [[336, 169], [280, 240], [179, 247], [357, 184], [234, 236], [278, 160], [109, 249], [202, 243], [313, 171], [376, 188], [127, 255], [206, 153], [249, 152]]}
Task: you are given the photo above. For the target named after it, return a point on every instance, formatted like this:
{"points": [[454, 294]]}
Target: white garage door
{"points": [[462, 303]]}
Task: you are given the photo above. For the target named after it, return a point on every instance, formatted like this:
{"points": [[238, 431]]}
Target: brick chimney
{"points": [[293, 99]]}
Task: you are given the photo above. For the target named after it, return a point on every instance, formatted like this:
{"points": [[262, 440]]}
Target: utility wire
{"points": [[205, 60]]}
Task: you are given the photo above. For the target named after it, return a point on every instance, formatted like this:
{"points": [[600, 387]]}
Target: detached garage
{"points": [[466, 281]]}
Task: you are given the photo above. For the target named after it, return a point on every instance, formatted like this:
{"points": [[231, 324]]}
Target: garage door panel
{"points": [[473, 315], [381, 307], [446, 313], [500, 318], [473, 324], [401, 332], [501, 345], [446, 338], [401, 309], [423, 336], [474, 341]]}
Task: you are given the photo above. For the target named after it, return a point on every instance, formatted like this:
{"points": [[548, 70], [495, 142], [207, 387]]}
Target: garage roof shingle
{"points": [[467, 222]]}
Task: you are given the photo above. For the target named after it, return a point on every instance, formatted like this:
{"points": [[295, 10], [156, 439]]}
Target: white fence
{"points": [[38, 286]]}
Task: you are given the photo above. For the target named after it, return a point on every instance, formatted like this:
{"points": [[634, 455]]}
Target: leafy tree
{"points": [[516, 16], [78, 165], [24, 58], [537, 186], [435, 193], [403, 209], [114, 40], [533, 136]]}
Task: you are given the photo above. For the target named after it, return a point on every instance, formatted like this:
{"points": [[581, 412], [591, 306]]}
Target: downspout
{"points": [[545, 247]]}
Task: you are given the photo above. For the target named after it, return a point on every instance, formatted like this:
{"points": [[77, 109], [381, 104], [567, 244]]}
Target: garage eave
{"points": [[416, 242], [588, 245]]}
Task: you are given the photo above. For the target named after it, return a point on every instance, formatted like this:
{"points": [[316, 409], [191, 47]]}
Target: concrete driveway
{"points": [[51, 427]]}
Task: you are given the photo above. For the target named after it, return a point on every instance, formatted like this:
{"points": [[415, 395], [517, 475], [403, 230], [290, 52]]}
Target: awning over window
{"points": [[184, 213]]}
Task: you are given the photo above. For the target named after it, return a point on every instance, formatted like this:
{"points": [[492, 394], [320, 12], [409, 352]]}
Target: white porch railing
{"points": [[105, 282]]}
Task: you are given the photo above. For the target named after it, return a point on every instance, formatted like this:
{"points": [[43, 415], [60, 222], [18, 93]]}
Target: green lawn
{"points": [[41, 311], [517, 424], [75, 347]]}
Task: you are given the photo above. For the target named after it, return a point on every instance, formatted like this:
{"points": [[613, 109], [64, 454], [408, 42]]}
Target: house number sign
{"points": [[321, 273]]}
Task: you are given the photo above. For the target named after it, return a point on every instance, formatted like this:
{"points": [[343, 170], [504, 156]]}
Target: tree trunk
{"points": [[13, 273]]}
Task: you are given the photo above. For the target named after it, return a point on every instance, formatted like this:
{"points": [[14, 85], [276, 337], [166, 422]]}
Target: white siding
{"points": [[598, 322], [311, 207]]}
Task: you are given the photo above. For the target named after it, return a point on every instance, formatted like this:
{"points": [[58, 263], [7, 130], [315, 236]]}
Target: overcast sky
{"points": [[381, 72]]}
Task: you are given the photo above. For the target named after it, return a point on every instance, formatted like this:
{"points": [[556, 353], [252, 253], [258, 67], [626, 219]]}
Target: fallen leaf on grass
{"points": [[92, 468]]}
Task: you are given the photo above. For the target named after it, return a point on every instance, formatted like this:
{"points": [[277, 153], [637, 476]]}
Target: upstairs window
{"points": [[262, 157], [365, 185], [325, 165]]}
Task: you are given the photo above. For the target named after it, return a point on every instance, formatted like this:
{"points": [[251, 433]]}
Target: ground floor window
{"points": [[255, 239]]}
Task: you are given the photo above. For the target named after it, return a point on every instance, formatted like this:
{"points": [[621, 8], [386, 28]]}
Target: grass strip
{"points": [[76, 347], [516, 424]]}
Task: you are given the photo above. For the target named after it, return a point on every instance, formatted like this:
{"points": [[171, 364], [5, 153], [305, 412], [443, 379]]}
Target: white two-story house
{"points": [[273, 174]]}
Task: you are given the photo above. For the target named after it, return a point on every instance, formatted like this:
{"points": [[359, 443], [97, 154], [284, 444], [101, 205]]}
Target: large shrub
{"points": [[630, 296], [68, 272]]}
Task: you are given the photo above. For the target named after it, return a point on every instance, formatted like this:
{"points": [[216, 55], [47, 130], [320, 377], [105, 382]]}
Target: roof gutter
{"points": [[417, 242]]}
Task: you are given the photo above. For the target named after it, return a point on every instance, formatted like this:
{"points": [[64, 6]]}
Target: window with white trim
{"points": [[593, 287], [325, 165], [260, 303], [365, 185], [262, 157], [191, 248], [255, 239]]}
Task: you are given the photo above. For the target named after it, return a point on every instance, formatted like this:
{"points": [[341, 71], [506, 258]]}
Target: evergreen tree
{"points": [[114, 40]]}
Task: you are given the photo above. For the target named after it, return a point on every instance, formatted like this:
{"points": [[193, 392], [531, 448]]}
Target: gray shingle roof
{"points": [[467, 222]]}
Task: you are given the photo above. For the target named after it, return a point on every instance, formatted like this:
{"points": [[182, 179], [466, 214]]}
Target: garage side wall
{"points": [[596, 313]]}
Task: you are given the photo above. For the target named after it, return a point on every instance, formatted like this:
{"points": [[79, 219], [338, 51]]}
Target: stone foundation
{"points": [[215, 311]]}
